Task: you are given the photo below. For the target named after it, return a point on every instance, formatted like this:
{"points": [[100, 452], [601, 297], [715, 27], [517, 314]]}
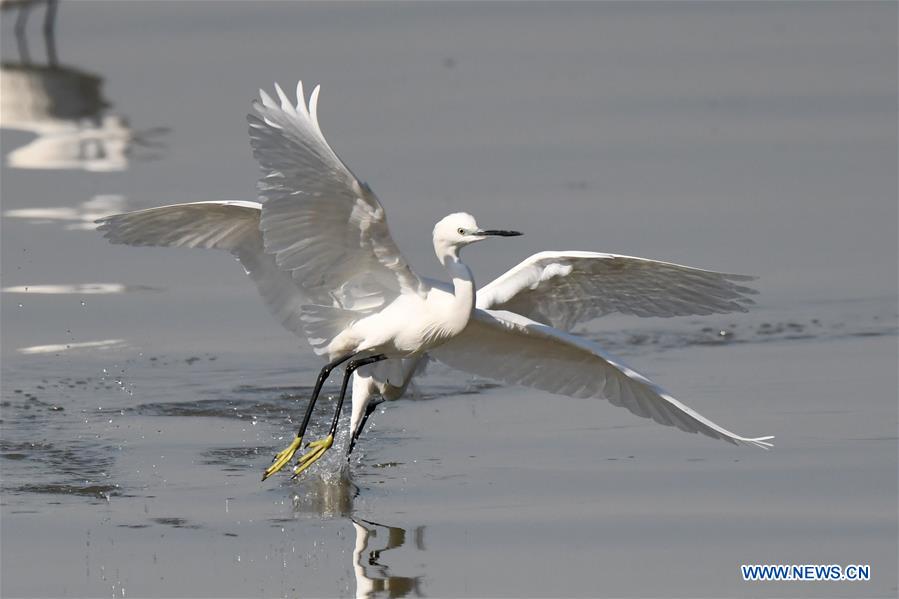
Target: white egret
{"points": [[319, 250]]}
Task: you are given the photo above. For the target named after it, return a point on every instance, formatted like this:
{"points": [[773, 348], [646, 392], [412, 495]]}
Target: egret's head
{"points": [[457, 230]]}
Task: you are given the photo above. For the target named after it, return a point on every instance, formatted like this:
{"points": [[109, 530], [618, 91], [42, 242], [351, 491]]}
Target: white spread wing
{"points": [[516, 350], [323, 225], [566, 288], [232, 226], [220, 225]]}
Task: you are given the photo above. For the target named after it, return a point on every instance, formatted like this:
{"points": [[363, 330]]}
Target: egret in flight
{"points": [[318, 248]]}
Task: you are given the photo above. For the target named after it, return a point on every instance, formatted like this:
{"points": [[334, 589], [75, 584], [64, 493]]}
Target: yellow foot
{"points": [[283, 458], [318, 450]]}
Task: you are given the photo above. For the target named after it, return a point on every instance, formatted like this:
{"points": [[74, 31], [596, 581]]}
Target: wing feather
{"points": [[563, 289], [220, 225], [516, 350], [323, 225], [232, 226]]}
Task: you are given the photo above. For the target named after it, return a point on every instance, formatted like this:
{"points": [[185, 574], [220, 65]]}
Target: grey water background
{"points": [[750, 137]]}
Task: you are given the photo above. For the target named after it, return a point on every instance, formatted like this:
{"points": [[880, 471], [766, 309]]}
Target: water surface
{"points": [[145, 390]]}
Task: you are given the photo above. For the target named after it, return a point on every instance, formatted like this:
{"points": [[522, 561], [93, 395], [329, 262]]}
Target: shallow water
{"points": [[143, 391]]}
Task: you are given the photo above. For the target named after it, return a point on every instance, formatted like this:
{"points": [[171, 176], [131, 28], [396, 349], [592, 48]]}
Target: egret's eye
{"points": [[460, 231]]}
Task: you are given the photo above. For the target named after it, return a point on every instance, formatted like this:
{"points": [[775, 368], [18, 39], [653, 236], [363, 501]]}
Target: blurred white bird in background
{"points": [[63, 106], [319, 250]]}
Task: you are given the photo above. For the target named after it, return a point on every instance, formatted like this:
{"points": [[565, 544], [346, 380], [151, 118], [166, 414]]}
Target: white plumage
{"points": [[322, 224], [566, 288], [517, 350], [320, 252]]}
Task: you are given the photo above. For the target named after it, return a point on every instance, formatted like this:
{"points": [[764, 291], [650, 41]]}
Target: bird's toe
{"points": [[283, 458]]}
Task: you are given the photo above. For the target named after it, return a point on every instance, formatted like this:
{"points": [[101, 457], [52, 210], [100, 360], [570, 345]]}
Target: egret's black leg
{"points": [[350, 369], [322, 377], [322, 445], [284, 456], [369, 409]]}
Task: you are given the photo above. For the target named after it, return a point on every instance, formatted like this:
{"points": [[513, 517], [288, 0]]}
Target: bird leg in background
{"points": [[371, 407], [50, 17], [284, 456], [322, 445]]}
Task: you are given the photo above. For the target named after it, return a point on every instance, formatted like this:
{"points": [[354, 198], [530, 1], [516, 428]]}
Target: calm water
{"points": [[144, 390]]}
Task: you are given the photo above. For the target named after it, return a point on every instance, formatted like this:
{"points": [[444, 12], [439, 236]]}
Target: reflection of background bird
{"points": [[63, 106]]}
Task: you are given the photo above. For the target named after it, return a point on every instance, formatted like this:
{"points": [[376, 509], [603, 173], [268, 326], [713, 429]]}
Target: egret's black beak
{"points": [[500, 233]]}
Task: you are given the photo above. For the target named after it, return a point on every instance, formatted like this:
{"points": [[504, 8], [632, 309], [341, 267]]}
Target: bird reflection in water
{"points": [[329, 496], [334, 497], [372, 576], [63, 106]]}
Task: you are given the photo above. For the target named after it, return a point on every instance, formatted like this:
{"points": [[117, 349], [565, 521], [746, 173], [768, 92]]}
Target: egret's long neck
{"points": [[463, 286]]}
